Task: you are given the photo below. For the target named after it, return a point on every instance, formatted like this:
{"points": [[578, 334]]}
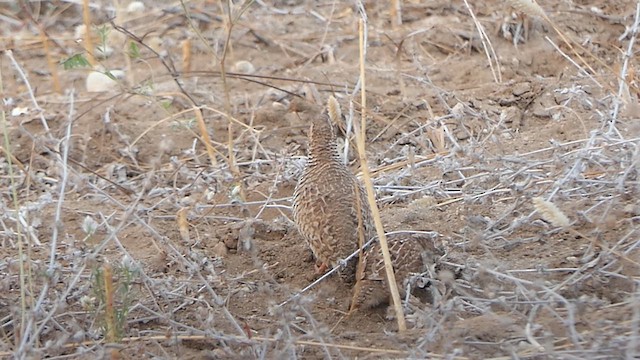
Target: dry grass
{"points": [[524, 172]]}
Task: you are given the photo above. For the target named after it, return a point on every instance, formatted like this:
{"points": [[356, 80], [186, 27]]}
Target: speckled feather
{"points": [[325, 201]]}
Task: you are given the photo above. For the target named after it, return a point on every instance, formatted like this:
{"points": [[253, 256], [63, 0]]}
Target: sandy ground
{"points": [[463, 134]]}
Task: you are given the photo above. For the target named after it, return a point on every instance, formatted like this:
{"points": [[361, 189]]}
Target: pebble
{"points": [[243, 67], [220, 249], [99, 82], [521, 88]]}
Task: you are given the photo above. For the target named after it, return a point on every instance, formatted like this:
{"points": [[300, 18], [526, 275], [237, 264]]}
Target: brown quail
{"points": [[410, 254], [325, 209], [327, 198]]}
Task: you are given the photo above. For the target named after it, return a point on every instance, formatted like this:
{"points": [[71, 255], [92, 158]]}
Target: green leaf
{"points": [[134, 50], [103, 33], [75, 61], [110, 75]]}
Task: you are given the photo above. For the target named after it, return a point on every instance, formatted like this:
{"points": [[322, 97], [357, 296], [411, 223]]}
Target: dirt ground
{"points": [[463, 133]]}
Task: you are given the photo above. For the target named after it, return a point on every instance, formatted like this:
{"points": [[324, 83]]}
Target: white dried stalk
{"points": [[628, 55], [489, 51]]}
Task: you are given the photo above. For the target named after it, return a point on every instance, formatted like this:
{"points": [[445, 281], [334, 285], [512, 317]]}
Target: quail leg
{"points": [[320, 268]]}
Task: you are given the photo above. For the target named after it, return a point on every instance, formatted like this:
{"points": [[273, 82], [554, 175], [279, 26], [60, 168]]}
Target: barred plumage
{"points": [[326, 200], [325, 209]]}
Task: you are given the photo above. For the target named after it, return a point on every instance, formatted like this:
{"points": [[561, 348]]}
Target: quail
{"points": [[330, 206], [329, 202]]}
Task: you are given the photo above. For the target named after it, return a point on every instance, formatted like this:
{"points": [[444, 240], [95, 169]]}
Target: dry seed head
{"points": [[335, 112], [550, 212], [183, 223], [529, 7], [436, 135]]}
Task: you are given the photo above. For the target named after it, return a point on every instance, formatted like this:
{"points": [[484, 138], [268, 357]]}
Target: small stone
{"points": [[135, 7], [245, 236], [510, 115], [186, 201], [521, 89], [220, 250], [507, 135], [79, 32], [543, 113], [462, 134], [231, 243], [632, 209], [17, 111], [423, 202], [458, 111], [243, 67], [100, 82], [278, 106]]}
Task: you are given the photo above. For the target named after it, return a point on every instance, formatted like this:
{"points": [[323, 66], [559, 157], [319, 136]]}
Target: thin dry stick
{"points": [[532, 8], [360, 140], [398, 64], [573, 62], [88, 41], [23, 76], [243, 340], [129, 74], [326, 28], [27, 341], [186, 56], [126, 46], [486, 45], [63, 185], [14, 197], [395, 13], [53, 69], [233, 167], [160, 122], [360, 269], [623, 86], [633, 350], [197, 31]]}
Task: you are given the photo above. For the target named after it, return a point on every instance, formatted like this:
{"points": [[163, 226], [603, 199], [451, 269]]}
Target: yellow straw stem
{"points": [[360, 140]]}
